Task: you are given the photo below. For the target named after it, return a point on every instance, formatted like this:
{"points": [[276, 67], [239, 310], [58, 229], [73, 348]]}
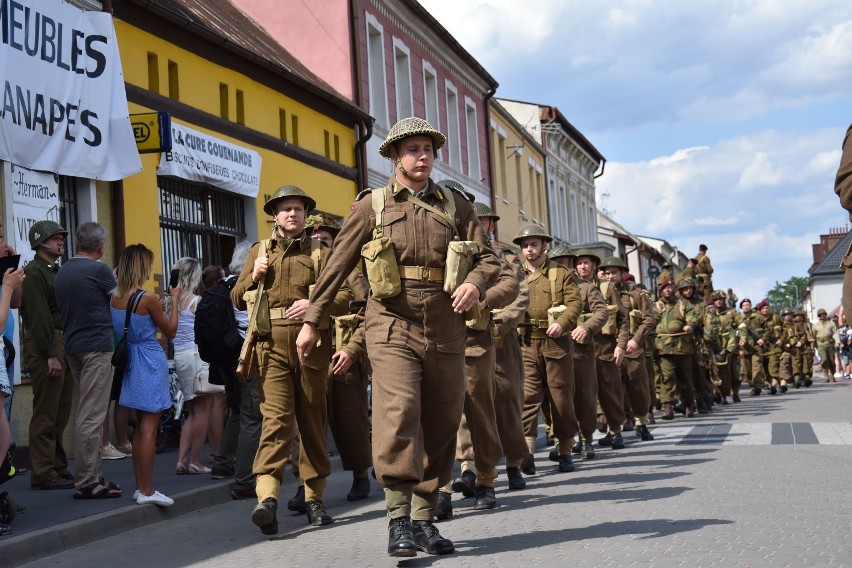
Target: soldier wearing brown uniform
{"points": [[728, 348], [642, 319], [415, 331], [289, 389], [478, 435], [610, 346], [592, 319], [843, 189], [555, 305], [676, 349]]}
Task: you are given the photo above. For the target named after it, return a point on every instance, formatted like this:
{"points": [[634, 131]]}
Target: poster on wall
{"points": [[197, 156], [35, 197], [64, 106]]}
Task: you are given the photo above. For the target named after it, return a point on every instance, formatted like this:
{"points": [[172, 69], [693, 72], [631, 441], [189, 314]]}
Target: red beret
{"points": [[629, 277], [663, 283], [761, 305]]}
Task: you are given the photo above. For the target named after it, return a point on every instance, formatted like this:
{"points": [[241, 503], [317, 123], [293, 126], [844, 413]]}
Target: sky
{"points": [[721, 120]]}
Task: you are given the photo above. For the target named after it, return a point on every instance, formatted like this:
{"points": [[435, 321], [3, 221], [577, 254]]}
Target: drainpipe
{"points": [[488, 95], [118, 226], [365, 127]]}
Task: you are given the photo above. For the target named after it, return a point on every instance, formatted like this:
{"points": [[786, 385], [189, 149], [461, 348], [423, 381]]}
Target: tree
{"points": [[788, 294]]}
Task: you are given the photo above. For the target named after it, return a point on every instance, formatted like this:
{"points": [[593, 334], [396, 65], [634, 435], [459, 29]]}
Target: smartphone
{"points": [[7, 262], [173, 278]]}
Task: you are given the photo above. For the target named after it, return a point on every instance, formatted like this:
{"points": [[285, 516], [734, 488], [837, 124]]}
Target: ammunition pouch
{"points": [[459, 262], [344, 329], [610, 327], [382, 270]]}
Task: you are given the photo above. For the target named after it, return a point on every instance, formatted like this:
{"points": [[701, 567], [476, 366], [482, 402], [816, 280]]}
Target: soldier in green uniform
{"points": [[415, 329], [802, 350], [824, 332], [726, 359], [701, 360], [704, 270], [773, 328], [676, 348], [290, 390], [555, 305], [751, 341], [786, 367], [593, 317], [642, 319], [610, 347], [44, 357]]}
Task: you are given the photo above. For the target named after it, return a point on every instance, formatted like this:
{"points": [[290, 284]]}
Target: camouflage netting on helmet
{"points": [[411, 126]]}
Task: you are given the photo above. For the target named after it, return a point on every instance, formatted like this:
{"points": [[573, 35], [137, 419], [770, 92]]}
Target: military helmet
{"points": [[614, 262], [482, 210], [287, 192], [43, 230], [685, 283], [322, 221], [454, 185], [532, 231], [786, 312], [591, 253], [559, 251], [820, 312], [411, 126]]}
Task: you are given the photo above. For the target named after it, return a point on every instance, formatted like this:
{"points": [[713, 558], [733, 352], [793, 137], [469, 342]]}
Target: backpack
{"points": [[217, 333]]}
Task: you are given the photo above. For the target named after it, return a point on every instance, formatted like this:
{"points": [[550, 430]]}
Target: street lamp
{"points": [[653, 273]]}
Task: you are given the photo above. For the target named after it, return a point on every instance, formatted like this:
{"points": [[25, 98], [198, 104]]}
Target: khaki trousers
{"points": [[92, 372], [635, 385], [728, 375], [51, 411], [611, 394], [676, 378], [289, 391], [509, 400], [416, 345], [480, 424], [348, 416], [549, 368], [585, 391]]}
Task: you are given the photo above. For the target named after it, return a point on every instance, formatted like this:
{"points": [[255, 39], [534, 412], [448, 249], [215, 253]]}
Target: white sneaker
{"points": [[136, 495], [156, 498], [127, 448], [109, 452]]}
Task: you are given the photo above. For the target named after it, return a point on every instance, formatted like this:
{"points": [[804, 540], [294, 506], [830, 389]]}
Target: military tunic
{"points": [[642, 319], [290, 391], [610, 389], [593, 318], [676, 348], [415, 340]]}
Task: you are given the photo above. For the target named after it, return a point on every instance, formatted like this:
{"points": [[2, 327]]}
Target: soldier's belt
{"points": [[277, 315], [423, 273], [672, 334], [538, 324]]}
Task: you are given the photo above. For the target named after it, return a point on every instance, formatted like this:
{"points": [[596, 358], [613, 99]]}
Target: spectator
{"points": [[11, 284], [210, 276], [242, 428], [83, 290], [44, 357], [145, 386], [9, 330], [187, 365]]}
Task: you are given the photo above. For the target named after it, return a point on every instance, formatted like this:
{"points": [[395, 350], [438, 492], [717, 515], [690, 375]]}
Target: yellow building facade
{"points": [[517, 171]]}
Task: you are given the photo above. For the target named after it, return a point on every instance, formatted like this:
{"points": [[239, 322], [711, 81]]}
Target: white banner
{"points": [[35, 197], [197, 156], [64, 106]]}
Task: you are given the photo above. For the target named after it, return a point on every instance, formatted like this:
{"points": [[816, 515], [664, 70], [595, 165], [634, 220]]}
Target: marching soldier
{"points": [[642, 319], [802, 350], [676, 348], [726, 360], [701, 363], [285, 266], [752, 343], [610, 347], [824, 332], [592, 319], [774, 337], [415, 329], [547, 348]]}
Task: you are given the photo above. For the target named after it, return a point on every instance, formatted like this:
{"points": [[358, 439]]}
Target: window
{"points": [[402, 71], [453, 130], [376, 71], [584, 226], [336, 148], [501, 166], [223, 100], [174, 87], [519, 184], [282, 124], [294, 128], [153, 73], [68, 213], [198, 221], [592, 223], [474, 169], [430, 97], [327, 143], [575, 232], [241, 109]]}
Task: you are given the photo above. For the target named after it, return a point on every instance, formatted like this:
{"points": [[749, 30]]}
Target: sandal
{"points": [[180, 469], [98, 490], [195, 469]]}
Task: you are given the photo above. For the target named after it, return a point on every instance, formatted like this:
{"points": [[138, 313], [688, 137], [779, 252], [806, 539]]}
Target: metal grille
{"points": [[199, 222], [68, 213]]}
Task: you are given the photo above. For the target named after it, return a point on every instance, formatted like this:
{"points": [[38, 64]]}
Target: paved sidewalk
{"points": [[692, 497]]}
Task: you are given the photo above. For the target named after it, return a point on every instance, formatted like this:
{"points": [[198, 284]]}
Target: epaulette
{"points": [[362, 194]]}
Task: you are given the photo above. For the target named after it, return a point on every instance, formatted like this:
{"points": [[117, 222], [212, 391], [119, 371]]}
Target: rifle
{"points": [[244, 363]]}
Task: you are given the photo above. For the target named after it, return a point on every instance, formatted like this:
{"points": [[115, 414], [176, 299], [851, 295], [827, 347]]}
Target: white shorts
{"points": [[187, 364]]}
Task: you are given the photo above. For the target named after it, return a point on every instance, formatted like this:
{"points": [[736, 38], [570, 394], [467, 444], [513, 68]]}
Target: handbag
{"points": [[121, 355], [201, 383]]}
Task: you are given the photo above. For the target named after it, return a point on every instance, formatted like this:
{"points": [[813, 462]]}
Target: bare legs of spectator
{"points": [[144, 446], [193, 433]]}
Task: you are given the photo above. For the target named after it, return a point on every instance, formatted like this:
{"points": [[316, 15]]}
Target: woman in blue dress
{"points": [[146, 380]]}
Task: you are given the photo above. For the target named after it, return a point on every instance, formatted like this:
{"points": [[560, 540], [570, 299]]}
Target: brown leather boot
{"points": [[668, 411]]}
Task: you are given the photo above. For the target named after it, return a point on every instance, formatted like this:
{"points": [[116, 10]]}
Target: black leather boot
{"points": [[400, 538], [429, 540]]}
